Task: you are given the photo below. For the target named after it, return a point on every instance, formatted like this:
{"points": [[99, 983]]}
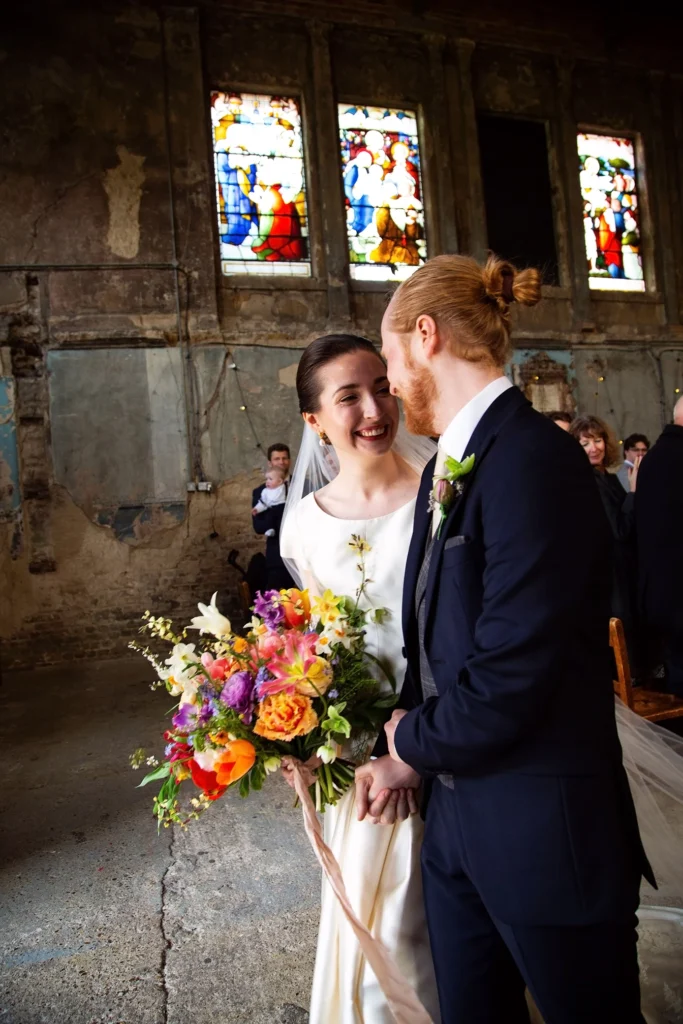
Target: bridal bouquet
{"points": [[297, 684]]}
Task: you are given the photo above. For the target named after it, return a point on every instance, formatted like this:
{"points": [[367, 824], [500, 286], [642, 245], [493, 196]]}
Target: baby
{"points": [[274, 493]]}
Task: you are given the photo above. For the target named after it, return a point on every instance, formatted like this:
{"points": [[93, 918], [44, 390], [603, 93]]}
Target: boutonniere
{"points": [[448, 486]]}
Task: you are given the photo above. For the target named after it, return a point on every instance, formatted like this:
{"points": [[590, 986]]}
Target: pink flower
{"points": [[218, 668], [266, 647], [299, 668]]}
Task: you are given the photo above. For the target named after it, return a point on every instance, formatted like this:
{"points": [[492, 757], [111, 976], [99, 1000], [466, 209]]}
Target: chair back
{"points": [[622, 684], [245, 598]]}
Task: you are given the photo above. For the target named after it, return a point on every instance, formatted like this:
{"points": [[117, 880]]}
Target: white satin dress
{"points": [[380, 863]]}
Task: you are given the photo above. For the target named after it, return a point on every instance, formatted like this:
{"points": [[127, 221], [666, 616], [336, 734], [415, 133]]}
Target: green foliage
{"points": [[162, 772]]}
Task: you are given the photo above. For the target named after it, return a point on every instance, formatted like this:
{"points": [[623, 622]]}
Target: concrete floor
{"points": [[104, 922]]}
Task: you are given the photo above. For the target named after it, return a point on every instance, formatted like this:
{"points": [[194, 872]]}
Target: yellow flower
{"points": [[359, 545], [240, 645], [282, 716], [326, 608]]}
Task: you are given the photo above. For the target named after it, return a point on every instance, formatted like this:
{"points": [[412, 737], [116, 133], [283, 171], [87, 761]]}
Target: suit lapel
{"points": [[485, 434], [421, 526]]}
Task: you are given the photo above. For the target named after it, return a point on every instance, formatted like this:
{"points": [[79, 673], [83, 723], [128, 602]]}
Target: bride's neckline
{"points": [[369, 519]]}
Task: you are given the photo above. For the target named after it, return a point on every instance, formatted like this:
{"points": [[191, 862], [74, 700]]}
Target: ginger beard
{"points": [[419, 398]]}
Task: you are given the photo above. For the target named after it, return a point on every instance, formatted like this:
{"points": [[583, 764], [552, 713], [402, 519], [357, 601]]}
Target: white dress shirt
{"points": [[457, 434]]}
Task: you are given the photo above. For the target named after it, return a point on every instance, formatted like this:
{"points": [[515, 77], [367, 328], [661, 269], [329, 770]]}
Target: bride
{"points": [[352, 417], [356, 480]]}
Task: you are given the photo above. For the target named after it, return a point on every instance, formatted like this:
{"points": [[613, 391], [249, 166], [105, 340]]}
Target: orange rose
{"points": [[282, 716], [238, 758], [296, 606]]}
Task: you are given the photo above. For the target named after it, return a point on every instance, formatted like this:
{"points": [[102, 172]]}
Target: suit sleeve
{"points": [[545, 539], [408, 700], [268, 520]]}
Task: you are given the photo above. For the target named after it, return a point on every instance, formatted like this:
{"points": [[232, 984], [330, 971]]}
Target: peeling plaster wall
{"points": [[125, 356], [123, 185]]}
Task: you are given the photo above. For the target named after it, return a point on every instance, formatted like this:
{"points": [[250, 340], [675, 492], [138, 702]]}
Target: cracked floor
{"points": [[104, 922]]}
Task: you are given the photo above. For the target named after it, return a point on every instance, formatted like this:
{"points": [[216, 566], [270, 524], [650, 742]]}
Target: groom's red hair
{"points": [[470, 303]]}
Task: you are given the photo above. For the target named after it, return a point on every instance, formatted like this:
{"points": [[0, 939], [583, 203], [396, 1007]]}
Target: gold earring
{"points": [[324, 441]]}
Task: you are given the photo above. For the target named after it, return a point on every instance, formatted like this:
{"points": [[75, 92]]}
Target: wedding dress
{"points": [[380, 863]]}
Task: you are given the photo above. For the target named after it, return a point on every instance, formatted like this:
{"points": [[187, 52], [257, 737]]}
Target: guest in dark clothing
{"points": [[598, 442], [268, 523], [659, 523], [563, 419]]}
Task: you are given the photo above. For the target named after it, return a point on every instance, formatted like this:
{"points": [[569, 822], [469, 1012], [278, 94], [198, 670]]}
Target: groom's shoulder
{"points": [[532, 441]]}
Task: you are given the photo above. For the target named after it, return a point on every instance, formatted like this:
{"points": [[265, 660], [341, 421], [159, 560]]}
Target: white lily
{"points": [[182, 669], [211, 621]]}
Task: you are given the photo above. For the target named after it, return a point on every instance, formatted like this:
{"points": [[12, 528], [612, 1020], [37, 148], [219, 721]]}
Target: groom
{"points": [[532, 858]]}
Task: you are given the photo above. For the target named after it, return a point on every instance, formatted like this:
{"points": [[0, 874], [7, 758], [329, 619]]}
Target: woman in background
{"points": [[599, 444]]}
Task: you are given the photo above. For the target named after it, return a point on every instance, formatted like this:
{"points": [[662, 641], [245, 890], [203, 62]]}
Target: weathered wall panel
{"points": [[118, 426]]}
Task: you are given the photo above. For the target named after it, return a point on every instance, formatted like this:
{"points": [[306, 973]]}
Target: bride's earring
{"points": [[324, 441]]}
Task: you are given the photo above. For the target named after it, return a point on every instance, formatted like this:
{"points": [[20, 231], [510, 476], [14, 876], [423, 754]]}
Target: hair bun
{"points": [[504, 284]]}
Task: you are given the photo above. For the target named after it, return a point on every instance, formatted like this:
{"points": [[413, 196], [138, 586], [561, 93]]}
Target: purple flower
{"points": [[185, 717], [238, 694], [333, 694], [205, 713], [262, 676], [267, 606]]}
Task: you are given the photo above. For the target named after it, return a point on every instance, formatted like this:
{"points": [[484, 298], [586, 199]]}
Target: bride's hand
{"points": [[307, 769], [386, 791]]}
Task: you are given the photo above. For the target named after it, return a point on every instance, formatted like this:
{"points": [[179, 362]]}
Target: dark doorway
{"points": [[517, 193]]}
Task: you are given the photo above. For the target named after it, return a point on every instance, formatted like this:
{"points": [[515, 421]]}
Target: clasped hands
{"points": [[386, 788]]}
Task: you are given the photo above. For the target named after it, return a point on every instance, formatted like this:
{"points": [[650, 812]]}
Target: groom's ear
{"points": [[428, 335]]}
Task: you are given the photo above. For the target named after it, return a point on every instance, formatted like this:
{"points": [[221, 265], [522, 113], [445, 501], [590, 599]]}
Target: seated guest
{"points": [[563, 419], [599, 444], [635, 446], [659, 523], [267, 522]]}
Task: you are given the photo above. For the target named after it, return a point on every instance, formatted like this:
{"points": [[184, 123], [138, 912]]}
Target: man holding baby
{"points": [[268, 505]]}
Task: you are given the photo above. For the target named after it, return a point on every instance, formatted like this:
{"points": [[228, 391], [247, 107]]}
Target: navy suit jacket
{"points": [[270, 519], [517, 642]]}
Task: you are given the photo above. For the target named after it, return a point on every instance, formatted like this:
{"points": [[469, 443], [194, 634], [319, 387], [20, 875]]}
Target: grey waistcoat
{"points": [[428, 685]]}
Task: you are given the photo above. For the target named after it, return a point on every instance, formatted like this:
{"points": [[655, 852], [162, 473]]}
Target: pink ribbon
{"points": [[401, 997]]}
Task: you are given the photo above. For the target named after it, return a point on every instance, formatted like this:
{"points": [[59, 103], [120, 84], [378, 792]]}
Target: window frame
{"points": [[648, 246], [255, 281], [347, 99]]}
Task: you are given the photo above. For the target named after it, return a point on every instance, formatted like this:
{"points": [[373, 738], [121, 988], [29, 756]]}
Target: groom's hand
{"points": [[386, 791], [390, 730]]}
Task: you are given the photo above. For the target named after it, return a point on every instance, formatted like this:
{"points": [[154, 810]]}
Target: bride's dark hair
{"points": [[318, 354]]}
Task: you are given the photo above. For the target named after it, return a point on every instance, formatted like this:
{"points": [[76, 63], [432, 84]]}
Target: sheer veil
{"points": [[317, 465], [653, 759]]}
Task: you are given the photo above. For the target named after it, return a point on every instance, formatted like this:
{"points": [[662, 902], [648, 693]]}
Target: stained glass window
{"points": [[260, 187], [611, 213], [382, 191]]}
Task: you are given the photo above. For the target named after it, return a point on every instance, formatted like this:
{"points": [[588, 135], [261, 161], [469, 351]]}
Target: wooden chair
{"points": [[656, 707], [245, 598]]}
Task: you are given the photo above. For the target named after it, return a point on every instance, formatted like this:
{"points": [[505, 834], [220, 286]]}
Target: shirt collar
{"points": [[459, 431]]}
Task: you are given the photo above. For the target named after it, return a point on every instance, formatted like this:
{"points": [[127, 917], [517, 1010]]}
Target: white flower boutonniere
{"points": [[448, 486]]}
